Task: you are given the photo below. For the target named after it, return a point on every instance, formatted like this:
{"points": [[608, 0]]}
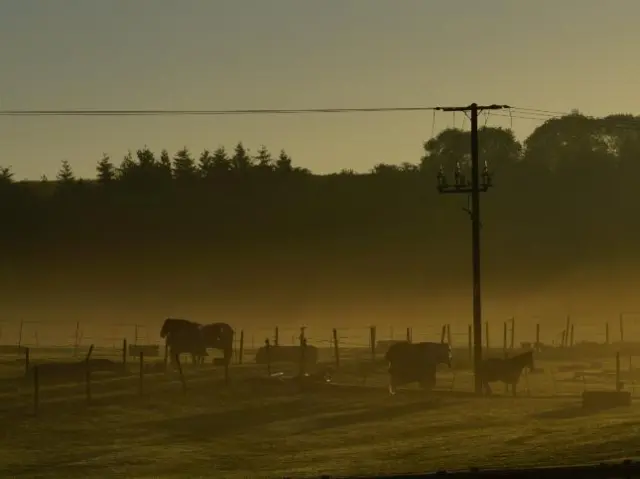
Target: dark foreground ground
{"points": [[262, 427]]}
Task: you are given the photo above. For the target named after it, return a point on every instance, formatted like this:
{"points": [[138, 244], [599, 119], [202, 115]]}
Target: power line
{"points": [[162, 112], [268, 111], [515, 113]]}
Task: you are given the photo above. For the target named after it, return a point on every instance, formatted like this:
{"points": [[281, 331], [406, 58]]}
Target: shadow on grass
{"points": [[570, 412], [224, 422], [376, 414]]}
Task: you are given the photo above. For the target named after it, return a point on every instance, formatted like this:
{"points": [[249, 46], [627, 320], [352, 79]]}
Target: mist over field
{"points": [[258, 241]]}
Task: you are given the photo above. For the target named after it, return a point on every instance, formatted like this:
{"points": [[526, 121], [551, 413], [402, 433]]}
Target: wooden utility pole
{"points": [[463, 186]]}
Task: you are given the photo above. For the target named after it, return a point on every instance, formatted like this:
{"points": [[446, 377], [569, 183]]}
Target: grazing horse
{"points": [[183, 336], [507, 370], [219, 336], [416, 362]]}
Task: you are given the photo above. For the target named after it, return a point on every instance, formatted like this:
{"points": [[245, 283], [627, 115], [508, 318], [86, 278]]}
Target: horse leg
{"points": [[228, 354], [392, 386], [488, 388]]}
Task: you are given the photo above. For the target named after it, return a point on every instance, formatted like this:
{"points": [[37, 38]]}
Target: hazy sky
{"points": [[228, 54]]}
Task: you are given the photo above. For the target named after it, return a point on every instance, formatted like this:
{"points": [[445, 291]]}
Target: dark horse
{"points": [[219, 336], [416, 362], [507, 370], [184, 336]]}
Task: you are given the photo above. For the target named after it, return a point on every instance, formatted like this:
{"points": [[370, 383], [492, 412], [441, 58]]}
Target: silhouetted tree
{"points": [[206, 164], [563, 196], [106, 170], [284, 163], [6, 175], [65, 174], [264, 160], [127, 168], [241, 161], [165, 166], [184, 166]]}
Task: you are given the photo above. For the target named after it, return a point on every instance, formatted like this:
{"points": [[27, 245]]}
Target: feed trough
{"points": [[605, 399]]}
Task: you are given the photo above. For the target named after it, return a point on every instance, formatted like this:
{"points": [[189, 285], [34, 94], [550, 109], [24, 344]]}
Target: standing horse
{"points": [[183, 336], [416, 362], [507, 370], [219, 336]]}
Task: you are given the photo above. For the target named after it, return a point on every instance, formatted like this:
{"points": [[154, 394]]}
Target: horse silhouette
{"points": [[219, 336], [507, 370], [416, 362], [184, 336]]}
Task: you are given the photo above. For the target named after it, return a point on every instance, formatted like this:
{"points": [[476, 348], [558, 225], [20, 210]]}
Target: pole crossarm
{"points": [[474, 187], [471, 107]]}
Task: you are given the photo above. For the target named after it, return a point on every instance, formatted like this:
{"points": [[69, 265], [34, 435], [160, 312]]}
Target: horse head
{"points": [[165, 328]]}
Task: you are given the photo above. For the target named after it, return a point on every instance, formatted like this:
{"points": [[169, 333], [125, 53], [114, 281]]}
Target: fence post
{"points": [[234, 347], [618, 383], [621, 327], [504, 339], [303, 356], [566, 331], [486, 335], [36, 390], [27, 360], [513, 332], [141, 386], [276, 339], [336, 347], [449, 338], [372, 342], [87, 380], [76, 340], [124, 355], [267, 347], [571, 335], [470, 340], [606, 332], [443, 333], [537, 348], [20, 333], [241, 352], [408, 336]]}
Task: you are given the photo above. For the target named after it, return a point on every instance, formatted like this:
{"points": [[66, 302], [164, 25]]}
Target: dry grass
{"points": [[257, 428]]}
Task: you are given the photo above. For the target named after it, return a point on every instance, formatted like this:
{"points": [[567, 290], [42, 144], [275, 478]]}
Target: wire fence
{"points": [[497, 333]]}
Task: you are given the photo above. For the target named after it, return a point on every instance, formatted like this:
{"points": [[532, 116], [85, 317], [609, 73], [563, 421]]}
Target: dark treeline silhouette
{"points": [[224, 226]]}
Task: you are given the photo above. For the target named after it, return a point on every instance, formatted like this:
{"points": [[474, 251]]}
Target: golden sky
{"points": [[233, 54]]}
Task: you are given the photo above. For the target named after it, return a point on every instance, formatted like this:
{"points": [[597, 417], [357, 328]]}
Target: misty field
{"points": [[260, 426]]}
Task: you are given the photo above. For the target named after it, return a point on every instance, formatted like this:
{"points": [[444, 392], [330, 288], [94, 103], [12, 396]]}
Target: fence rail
{"points": [[506, 333]]}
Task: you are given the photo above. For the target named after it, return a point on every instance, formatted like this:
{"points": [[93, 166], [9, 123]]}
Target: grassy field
{"points": [[258, 426]]}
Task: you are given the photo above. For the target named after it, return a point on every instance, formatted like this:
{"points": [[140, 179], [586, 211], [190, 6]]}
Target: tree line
{"points": [[564, 196]]}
